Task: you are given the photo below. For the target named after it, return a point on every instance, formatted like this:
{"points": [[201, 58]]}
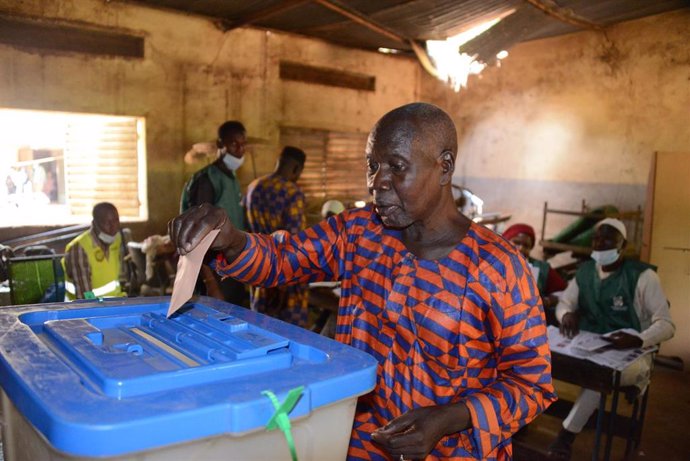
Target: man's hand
{"points": [[414, 434], [188, 229], [622, 340], [570, 324]]}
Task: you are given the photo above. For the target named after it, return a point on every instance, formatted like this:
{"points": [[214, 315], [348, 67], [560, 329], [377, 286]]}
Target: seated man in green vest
{"points": [[92, 260], [607, 294], [217, 184]]}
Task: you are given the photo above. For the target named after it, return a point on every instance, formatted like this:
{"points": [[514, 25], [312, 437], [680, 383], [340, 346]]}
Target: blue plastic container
{"points": [[118, 380]]}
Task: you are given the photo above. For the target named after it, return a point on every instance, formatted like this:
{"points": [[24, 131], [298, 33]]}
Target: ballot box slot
{"points": [[161, 345]]}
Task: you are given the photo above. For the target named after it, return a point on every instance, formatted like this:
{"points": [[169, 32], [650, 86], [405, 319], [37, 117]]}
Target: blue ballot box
{"points": [[117, 380]]}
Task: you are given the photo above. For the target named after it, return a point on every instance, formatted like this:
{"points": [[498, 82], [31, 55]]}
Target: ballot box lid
{"points": [[112, 377]]}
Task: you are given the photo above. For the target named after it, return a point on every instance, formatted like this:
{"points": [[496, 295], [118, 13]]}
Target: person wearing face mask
{"points": [[610, 293], [217, 184], [92, 260]]}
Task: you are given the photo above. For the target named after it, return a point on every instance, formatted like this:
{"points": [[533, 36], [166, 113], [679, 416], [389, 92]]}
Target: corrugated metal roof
{"points": [[418, 19], [530, 23], [436, 20]]}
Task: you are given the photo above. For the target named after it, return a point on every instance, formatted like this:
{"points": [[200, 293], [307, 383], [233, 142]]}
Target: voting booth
{"points": [[118, 380]]}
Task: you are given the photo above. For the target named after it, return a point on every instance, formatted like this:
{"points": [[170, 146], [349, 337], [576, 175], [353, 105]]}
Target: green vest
{"points": [[607, 305], [226, 191], [105, 272], [543, 274]]}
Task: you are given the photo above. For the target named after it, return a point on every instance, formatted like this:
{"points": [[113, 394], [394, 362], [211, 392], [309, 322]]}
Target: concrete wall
{"points": [[579, 117], [194, 77], [574, 117]]}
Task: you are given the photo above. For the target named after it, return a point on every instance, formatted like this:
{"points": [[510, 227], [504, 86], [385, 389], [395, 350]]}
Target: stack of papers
{"points": [[591, 346]]}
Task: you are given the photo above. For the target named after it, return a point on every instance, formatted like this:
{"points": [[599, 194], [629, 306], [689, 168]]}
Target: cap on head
{"points": [[516, 229], [615, 223], [332, 206]]}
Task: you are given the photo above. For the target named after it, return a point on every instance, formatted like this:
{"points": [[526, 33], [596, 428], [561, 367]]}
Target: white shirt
{"points": [[650, 304]]}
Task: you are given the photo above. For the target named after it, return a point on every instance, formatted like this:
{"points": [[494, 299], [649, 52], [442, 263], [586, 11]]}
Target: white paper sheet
{"points": [[618, 359]]}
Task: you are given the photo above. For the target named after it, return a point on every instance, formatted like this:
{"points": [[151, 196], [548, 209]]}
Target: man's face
{"points": [[523, 243], [235, 145], [607, 238], [402, 174], [109, 222]]}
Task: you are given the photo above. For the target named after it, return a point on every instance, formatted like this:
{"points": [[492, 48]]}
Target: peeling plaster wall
{"points": [[193, 78], [573, 117]]}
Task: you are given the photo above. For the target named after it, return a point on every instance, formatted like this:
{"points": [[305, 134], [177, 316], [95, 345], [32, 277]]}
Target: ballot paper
{"points": [[584, 346], [188, 268], [629, 331], [589, 342]]}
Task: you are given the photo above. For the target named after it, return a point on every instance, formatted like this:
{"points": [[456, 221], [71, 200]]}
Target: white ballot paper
{"points": [[188, 268], [587, 346]]}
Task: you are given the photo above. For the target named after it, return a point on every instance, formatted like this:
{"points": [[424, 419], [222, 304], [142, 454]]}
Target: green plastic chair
{"points": [[36, 279]]}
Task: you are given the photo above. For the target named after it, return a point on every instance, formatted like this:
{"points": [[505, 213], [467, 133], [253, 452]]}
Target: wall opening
{"points": [[323, 76], [335, 166], [45, 36], [54, 166]]}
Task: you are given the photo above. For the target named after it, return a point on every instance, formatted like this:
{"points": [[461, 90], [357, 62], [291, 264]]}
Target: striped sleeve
{"points": [[78, 269], [282, 258], [523, 389]]}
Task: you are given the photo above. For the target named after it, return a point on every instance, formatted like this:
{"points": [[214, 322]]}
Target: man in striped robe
{"points": [[448, 308]]}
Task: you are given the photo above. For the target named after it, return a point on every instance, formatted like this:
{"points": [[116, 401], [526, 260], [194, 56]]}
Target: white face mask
{"points": [[106, 238], [233, 163], [606, 257]]}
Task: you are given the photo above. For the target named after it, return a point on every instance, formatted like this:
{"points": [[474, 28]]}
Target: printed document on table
{"points": [[619, 359], [585, 348], [584, 342], [629, 331]]}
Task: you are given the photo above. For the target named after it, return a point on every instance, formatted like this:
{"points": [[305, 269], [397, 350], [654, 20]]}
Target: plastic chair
{"points": [[36, 279]]}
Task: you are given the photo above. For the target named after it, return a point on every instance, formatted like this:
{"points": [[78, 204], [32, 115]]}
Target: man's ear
{"points": [[447, 160], [219, 143]]}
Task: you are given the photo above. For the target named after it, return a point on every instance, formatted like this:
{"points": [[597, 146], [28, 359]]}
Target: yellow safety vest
{"points": [[105, 272]]}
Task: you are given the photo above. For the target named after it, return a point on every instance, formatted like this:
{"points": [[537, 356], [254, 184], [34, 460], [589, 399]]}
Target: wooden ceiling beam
{"points": [[369, 23], [565, 15], [361, 19]]}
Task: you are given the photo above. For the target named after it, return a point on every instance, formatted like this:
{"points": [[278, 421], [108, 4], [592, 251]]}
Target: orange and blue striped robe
{"points": [[274, 204], [468, 327]]}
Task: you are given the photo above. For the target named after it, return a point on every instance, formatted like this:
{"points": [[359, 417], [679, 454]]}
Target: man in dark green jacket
{"points": [[607, 294], [217, 184]]}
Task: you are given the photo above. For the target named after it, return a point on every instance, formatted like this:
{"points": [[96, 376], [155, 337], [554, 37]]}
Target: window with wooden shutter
{"points": [[335, 166], [57, 166]]}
